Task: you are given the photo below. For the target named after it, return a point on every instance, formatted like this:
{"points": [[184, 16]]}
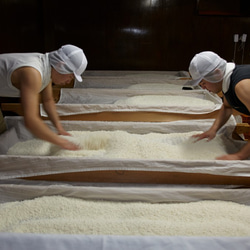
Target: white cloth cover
{"points": [[24, 166], [106, 242], [12, 190], [125, 79], [81, 101], [18, 190]]}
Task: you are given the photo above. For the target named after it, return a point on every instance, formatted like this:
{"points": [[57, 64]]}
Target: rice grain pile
{"points": [[121, 144], [156, 86], [61, 215], [165, 100]]}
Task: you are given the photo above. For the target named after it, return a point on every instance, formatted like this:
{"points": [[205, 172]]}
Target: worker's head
{"points": [[69, 59], [207, 67]]}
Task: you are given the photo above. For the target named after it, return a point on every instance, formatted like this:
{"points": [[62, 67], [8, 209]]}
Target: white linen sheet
{"points": [[126, 79], [24, 166], [81, 101], [101, 89], [106, 242], [18, 190]]}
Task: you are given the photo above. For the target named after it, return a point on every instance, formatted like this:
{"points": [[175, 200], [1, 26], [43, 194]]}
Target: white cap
{"points": [[208, 66], [69, 59]]}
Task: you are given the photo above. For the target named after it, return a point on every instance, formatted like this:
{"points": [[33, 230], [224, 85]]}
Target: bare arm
{"points": [[224, 114], [242, 91], [28, 80], [221, 118], [50, 109]]}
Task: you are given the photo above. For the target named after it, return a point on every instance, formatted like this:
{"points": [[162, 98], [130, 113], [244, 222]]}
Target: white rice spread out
{"points": [[121, 144], [156, 86], [165, 100], [61, 215]]}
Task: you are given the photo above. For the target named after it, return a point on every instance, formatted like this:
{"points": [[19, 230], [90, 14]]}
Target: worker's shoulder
{"points": [[26, 71], [28, 75]]}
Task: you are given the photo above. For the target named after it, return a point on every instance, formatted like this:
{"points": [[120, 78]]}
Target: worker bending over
{"points": [[26, 75], [215, 74]]}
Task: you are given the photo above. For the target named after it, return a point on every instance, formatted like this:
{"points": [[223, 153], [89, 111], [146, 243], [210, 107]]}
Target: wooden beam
{"points": [[147, 177], [141, 116], [242, 128]]}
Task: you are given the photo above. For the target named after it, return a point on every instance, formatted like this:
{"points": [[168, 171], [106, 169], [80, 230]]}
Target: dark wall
{"points": [[126, 34]]}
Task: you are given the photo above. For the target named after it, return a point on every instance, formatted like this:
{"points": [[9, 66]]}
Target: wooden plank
{"points": [[136, 116], [242, 128], [142, 116], [16, 108], [147, 177]]}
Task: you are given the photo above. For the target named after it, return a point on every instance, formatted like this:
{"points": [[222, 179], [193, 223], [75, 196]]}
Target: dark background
{"points": [[127, 34]]}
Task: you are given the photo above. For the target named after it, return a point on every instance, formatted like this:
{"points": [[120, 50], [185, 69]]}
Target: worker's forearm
{"points": [[42, 131], [50, 109], [38, 128], [244, 153], [222, 118]]}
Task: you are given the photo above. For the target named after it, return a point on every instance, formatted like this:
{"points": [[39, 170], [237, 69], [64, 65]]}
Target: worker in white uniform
{"points": [[26, 75], [215, 74]]}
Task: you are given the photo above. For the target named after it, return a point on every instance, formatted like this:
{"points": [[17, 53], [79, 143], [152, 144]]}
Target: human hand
{"points": [[208, 134], [230, 157], [64, 132], [65, 144]]}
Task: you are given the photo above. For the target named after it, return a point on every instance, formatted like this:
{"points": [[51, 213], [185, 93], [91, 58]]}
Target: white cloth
{"points": [[18, 190], [81, 101], [24, 166], [10, 62], [124, 79], [107, 242]]}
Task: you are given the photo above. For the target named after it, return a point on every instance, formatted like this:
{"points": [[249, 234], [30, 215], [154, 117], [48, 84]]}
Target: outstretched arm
{"points": [[222, 117], [50, 109], [242, 91], [29, 83]]}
